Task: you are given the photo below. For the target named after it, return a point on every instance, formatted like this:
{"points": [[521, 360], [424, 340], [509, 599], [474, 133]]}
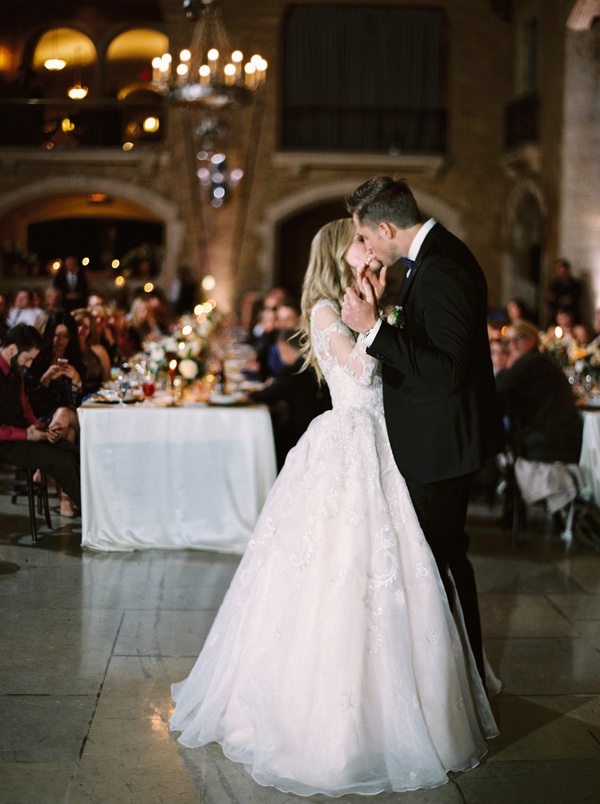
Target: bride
{"points": [[334, 664]]}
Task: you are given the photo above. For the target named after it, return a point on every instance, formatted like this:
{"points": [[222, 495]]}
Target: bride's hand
{"points": [[377, 282]]}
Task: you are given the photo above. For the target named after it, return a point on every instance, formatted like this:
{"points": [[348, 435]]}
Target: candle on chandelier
{"points": [[165, 66], [213, 59], [261, 70], [237, 57], [204, 73], [182, 72], [229, 71], [250, 71]]}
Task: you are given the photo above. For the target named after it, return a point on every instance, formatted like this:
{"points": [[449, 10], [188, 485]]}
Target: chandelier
{"points": [[209, 73], [206, 80]]}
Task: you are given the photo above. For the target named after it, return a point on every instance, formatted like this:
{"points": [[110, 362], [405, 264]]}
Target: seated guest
{"points": [[53, 386], [250, 307], [287, 316], [499, 353], [95, 357], [564, 324], [22, 310], [263, 343], [544, 419], [104, 333], [53, 299], [24, 440], [143, 324], [127, 339], [517, 310], [294, 397]]}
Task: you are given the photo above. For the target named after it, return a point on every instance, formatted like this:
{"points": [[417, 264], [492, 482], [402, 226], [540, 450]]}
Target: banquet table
{"points": [[190, 477], [589, 461]]}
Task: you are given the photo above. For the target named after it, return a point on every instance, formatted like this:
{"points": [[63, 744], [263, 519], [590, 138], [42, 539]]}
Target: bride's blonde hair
{"points": [[327, 277]]}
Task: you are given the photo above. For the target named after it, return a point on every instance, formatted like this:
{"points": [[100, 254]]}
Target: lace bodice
{"points": [[353, 376]]}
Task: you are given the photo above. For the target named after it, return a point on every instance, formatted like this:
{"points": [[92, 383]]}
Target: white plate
{"points": [[226, 399]]}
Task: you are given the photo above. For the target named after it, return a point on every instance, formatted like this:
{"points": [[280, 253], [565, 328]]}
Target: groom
{"points": [[441, 408]]}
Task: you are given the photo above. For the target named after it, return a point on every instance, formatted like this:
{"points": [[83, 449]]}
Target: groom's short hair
{"points": [[383, 199]]}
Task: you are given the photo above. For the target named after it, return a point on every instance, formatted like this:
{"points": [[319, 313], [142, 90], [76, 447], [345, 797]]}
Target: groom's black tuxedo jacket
{"points": [[442, 411]]}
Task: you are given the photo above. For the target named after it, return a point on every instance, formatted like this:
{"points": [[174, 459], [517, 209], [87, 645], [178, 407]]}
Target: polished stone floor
{"points": [[90, 643]]}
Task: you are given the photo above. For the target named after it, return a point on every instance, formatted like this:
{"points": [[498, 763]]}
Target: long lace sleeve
{"points": [[334, 343]]}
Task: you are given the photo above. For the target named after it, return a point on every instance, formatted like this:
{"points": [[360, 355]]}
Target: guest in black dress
{"points": [[54, 380], [95, 357]]}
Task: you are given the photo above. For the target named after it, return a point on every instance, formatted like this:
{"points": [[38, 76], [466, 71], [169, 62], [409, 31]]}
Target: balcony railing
{"points": [[51, 123], [398, 131], [522, 121]]}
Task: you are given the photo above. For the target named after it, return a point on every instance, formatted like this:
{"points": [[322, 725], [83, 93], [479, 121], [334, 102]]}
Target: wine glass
{"points": [[148, 386], [122, 388]]}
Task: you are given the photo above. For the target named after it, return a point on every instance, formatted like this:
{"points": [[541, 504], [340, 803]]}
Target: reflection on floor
{"points": [[91, 642]]}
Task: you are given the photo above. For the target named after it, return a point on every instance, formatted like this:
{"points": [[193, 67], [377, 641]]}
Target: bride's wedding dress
{"points": [[334, 664]]}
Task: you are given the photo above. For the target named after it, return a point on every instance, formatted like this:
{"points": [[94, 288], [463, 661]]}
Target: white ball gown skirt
{"points": [[334, 664]]}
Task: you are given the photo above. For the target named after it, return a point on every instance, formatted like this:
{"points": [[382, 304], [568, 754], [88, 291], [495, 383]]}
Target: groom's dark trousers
{"points": [[442, 509]]}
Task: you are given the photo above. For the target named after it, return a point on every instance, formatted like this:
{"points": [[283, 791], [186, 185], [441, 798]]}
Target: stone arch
{"points": [[326, 192], [167, 211]]}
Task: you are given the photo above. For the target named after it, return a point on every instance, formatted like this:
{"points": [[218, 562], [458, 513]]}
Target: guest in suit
{"points": [[72, 282], [538, 398], [22, 310], [442, 410], [295, 397]]}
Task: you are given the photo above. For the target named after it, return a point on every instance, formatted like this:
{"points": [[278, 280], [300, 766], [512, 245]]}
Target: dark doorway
{"points": [[100, 239], [293, 244]]}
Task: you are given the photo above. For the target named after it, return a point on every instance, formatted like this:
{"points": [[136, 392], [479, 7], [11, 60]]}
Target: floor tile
{"points": [[522, 616], [163, 633], [28, 782], [566, 782], [545, 666], [56, 652], [546, 728], [578, 607], [44, 728]]}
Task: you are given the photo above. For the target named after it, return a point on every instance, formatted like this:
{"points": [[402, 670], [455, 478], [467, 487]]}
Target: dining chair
{"points": [[37, 495]]}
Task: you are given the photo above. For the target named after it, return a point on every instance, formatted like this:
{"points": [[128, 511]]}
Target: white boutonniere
{"points": [[396, 317]]}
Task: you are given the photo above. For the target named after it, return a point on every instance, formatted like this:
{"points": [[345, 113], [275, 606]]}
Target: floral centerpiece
{"points": [[188, 344], [574, 358]]}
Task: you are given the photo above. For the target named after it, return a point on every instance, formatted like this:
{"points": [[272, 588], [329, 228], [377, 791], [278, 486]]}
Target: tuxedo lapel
{"points": [[409, 276]]}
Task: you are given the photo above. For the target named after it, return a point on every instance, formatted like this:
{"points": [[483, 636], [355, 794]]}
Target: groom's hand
{"points": [[360, 314]]}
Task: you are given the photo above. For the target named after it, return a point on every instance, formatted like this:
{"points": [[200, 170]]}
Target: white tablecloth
{"points": [[175, 478], [589, 461]]}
